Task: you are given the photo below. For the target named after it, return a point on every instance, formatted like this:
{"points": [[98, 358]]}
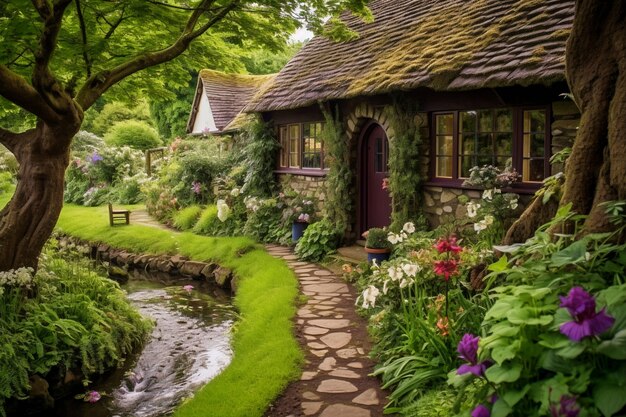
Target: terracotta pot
{"points": [[378, 254]]}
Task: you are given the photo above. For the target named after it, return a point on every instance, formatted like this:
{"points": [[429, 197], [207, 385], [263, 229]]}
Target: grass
{"points": [[187, 217], [266, 354]]}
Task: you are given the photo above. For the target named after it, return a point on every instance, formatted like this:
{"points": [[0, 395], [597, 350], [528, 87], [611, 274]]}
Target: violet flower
{"points": [[568, 407], [481, 411], [587, 322], [196, 187], [188, 288], [92, 396], [468, 351], [95, 157]]}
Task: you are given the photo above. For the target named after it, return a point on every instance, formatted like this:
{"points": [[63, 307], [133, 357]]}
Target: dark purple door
{"points": [[377, 202]]}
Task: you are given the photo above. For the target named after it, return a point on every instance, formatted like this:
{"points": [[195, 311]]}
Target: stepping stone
{"points": [[336, 340], [336, 386], [319, 307], [319, 353], [360, 351], [328, 364], [347, 353], [290, 257], [369, 397], [322, 273], [345, 373], [330, 323], [309, 338], [310, 408], [341, 410], [315, 330], [307, 376], [311, 396], [315, 345], [328, 313], [329, 303], [357, 365], [300, 322], [326, 288]]}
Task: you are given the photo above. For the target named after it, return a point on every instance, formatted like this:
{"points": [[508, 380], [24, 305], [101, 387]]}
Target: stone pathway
{"points": [[335, 381]]}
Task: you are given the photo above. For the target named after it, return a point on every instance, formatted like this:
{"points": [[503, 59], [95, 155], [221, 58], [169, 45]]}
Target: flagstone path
{"points": [[335, 381]]}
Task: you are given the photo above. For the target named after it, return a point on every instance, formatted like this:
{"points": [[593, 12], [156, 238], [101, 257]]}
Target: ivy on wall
{"points": [[405, 181], [339, 191], [260, 157]]}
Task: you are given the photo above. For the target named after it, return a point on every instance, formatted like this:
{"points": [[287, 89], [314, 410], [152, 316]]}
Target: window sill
{"points": [[312, 172], [517, 188]]}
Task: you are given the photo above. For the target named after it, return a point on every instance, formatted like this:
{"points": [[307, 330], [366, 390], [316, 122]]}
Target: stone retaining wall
{"points": [[176, 266], [312, 187]]}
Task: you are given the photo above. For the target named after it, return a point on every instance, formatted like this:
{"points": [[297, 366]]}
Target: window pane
{"points": [[444, 145], [468, 144], [484, 160], [379, 162], [504, 143], [504, 120], [504, 162], [535, 121], [445, 124], [444, 166], [537, 145], [312, 145], [467, 162], [485, 121], [294, 146], [533, 170], [485, 144], [468, 121]]}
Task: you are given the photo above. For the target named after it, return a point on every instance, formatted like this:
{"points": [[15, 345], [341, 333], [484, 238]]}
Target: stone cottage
{"points": [[486, 78]]}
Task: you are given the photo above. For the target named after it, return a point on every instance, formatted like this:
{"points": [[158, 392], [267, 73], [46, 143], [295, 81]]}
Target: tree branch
{"points": [[8, 139], [18, 91], [43, 80], [83, 33], [98, 83]]}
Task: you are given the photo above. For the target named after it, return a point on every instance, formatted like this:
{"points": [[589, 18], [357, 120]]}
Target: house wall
{"points": [[204, 121], [312, 187]]}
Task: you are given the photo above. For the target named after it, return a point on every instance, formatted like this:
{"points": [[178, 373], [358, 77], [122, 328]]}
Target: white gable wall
{"points": [[204, 117]]}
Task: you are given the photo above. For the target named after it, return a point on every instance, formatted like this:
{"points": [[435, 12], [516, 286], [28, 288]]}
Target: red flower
{"points": [[446, 268], [448, 245]]}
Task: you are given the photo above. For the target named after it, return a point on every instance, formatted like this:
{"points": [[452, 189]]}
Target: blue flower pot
{"points": [[297, 230], [378, 254]]}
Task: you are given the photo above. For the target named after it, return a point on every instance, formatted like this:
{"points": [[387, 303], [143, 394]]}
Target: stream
{"points": [[190, 344]]}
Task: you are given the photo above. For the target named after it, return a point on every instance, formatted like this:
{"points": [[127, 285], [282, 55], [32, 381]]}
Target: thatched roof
{"points": [[227, 95], [438, 44]]}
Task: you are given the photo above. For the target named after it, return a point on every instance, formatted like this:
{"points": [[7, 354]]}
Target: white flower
{"points": [[487, 194], [472, 209], [222, 210], [235, 192], [409, 227], [395, 273], [410, 269], [484, 223], [393, 238], [513, 204], [369, 296], [385, 289], [489, 219], [406, 282]]}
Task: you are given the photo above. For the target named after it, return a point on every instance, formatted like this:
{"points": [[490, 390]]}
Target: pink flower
{"points": [[188, 288], [448, 245], [385, 185], [92, 396], [587, 322]]}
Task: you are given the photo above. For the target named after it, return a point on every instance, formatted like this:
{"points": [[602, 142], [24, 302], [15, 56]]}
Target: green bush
{"points": [[8, 163], [207, 222], [86, 143], [101, 122], [186, 218], [318, 240], [133, 133]]}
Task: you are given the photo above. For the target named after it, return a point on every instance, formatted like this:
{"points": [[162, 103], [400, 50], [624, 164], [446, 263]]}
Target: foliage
{"points": [[339, 188], [186, 218], [297, 206], [6, 182], [270, 361], [318, 240], [265, 221], [263, 61], [134, 134], [8, 163], [170, 114], [377, 239], [405, 180], [77, 319], [260, 154], [100, 123], [86, 143]]}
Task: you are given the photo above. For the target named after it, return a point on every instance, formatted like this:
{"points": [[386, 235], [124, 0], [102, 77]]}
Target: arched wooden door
{"points": [[375, 199]]}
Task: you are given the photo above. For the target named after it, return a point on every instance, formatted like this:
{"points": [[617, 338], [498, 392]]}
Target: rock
{"points": [[428, 200], [223, 276], [369, 397], [341, 410], [336, 386], [336, 340], [326, 288], [447, 209], [39, 395], [307, 376], [345, 373], [328, 364], [309, 408], [234, 284], [447, 196], [192, 268], [330, 323], [311, 396], [315, 330]]}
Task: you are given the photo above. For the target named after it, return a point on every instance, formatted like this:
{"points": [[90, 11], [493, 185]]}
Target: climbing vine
{"points": [[405, 181], [260, 153], [339, 190]]}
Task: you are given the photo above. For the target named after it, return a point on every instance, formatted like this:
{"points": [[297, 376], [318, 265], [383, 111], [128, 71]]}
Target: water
{"points": [[189, 346]]}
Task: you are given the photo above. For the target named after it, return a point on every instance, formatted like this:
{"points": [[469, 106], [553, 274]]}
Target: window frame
{"points": [[517, 148], [285, 151]]}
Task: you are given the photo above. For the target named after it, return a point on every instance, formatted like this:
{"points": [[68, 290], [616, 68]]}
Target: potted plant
{"points": [[299, 225], [299, 212], [377, 245]]}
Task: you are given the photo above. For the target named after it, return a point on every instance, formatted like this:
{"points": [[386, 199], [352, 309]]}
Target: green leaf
{"points": [[507, 249], [610, 395], [571, 254], [499, 266], [504, 373], [553, 340], [571, 351], [614, 348], [503, 353], [504, 329], [518, 315], [500, 409], [499, 310], [512, 397]]}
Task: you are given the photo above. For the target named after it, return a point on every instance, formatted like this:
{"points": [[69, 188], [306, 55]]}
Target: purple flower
{"points": [[468, 351], [568, 407], [95, 157], [587, 322], [481, 411], [188, 288], [92, 396], [196, 187]]}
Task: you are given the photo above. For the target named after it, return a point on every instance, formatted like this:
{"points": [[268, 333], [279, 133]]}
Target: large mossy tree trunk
{"points": [[28, 220], [596, 72]]}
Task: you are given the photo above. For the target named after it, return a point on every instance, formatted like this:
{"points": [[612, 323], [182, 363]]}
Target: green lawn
{"points": [[266, 354]]}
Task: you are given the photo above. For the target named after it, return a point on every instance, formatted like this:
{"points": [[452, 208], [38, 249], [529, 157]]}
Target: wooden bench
{"points": [[118, 216]]}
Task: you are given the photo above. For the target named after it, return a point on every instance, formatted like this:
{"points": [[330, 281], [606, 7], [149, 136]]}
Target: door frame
{"points": [[361, 171]]}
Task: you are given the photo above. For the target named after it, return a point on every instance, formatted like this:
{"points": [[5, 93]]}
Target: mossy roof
{"points": [[228, 94], [438, 44]]}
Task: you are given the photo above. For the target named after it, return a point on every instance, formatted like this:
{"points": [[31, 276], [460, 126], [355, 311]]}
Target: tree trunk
{"points": [[596, 73], [29, 218]]}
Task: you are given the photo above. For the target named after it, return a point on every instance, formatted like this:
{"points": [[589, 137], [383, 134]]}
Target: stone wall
{"points": [[312, 187]]}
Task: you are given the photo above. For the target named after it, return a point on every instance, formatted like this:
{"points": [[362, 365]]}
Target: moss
{"points": [[560, 34]]}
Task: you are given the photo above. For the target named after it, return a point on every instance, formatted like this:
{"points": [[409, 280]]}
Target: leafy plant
{"points": [[134, 134], [186, 218], [377, 239], [260, 153], [318, 240]]}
